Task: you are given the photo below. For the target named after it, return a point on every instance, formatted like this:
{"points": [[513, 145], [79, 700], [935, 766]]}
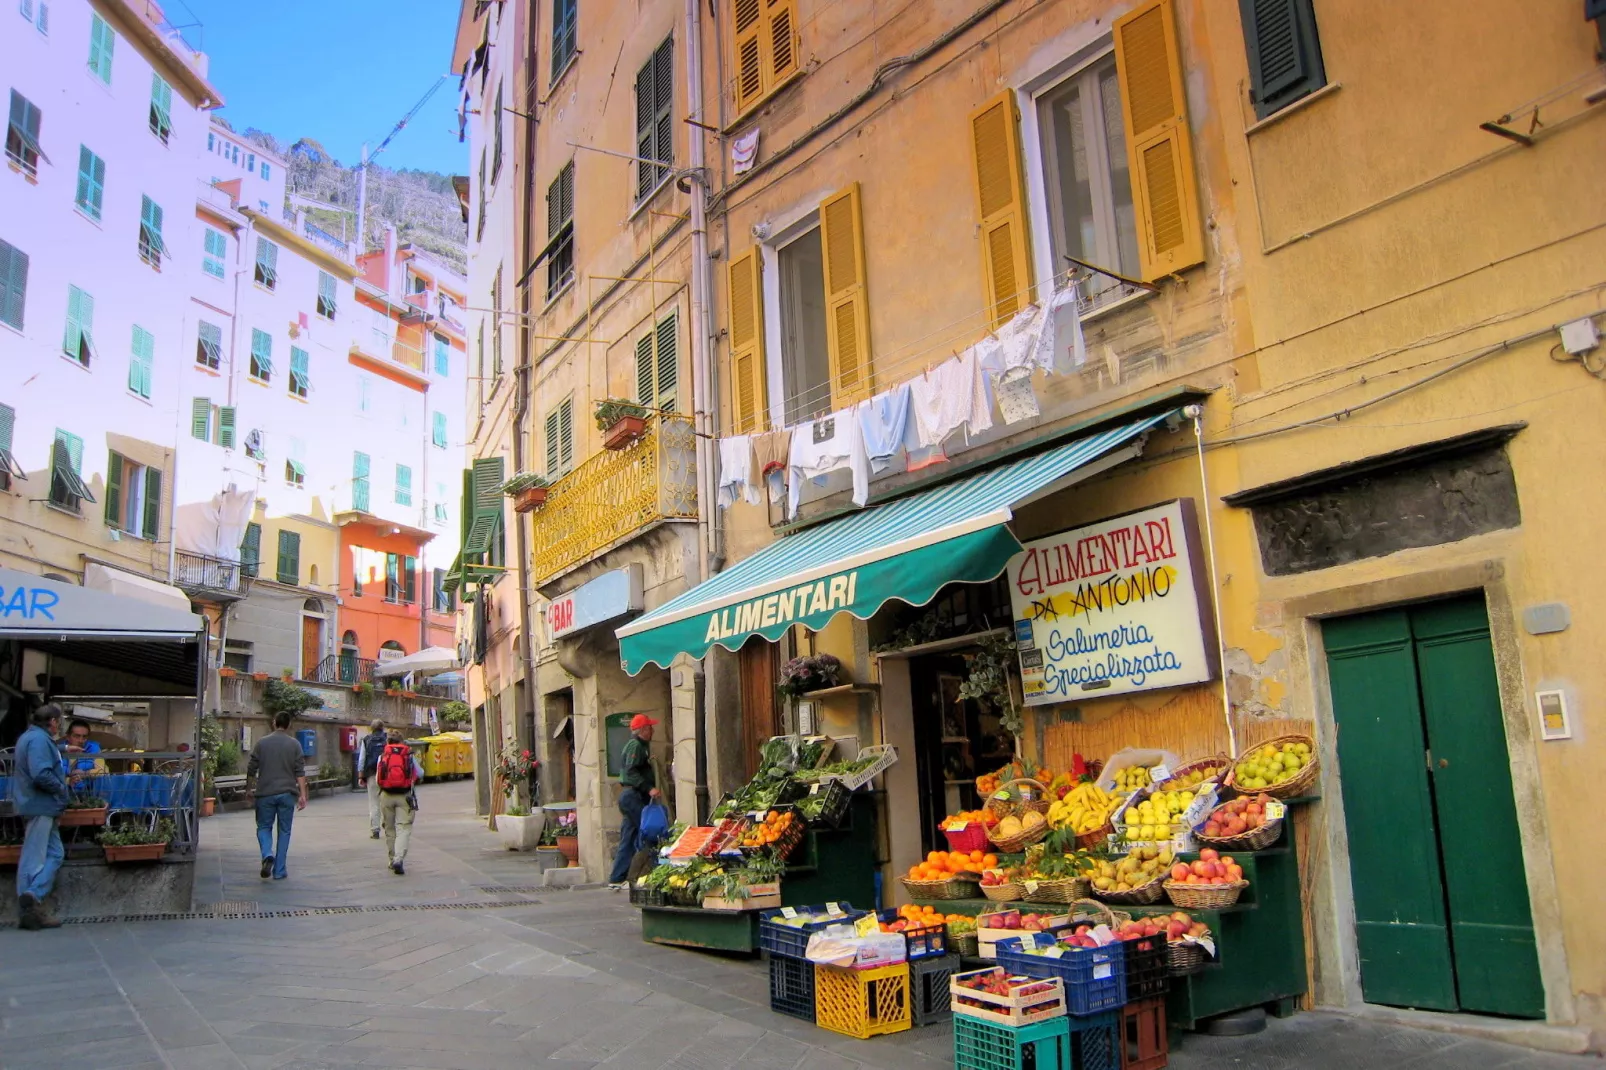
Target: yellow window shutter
{"points": [[749, 51], [1159, 147], [749, 405], [847, 312], [780, 32], [1001, 203]]}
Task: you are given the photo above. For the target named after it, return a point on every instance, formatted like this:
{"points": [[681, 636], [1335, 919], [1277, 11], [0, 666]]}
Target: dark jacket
{"points": [[636, 766], [372, 744], [40, 789], [277, 765]]}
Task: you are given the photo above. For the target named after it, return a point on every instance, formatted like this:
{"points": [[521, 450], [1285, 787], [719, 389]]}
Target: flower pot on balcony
{"points": [[623, 432], [259, 677], [135, 852], [82, 818], [570, 846], [520, 833], [409, 694], [530, 499], [227, 673]]}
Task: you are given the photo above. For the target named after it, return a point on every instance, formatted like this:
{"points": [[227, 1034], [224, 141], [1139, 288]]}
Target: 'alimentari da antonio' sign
{"points": [[1113, 607]]}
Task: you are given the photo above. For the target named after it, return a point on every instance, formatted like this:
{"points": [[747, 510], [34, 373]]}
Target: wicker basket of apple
{"points": [[1188, 940], [1247, 823], [1212, 882]]}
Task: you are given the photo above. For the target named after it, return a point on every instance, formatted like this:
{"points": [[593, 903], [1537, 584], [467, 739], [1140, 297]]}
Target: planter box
{"points": [[227, 673], [10, 854], [549, 858], [259, 676], [530, 499], [758, 897], [80, 818], [520, 833], [135, 852], [624, 432]]}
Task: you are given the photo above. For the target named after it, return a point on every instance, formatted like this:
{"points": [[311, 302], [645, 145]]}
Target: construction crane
{"points": [[368, 158]]}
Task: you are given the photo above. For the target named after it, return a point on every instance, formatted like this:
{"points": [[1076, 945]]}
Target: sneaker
{"points": [[44, 919], [398, 869], [617, 886], [373, 834], [267, 868]]}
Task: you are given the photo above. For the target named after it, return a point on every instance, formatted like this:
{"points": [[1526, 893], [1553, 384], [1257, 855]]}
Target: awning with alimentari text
{"points": [[907, 549]]}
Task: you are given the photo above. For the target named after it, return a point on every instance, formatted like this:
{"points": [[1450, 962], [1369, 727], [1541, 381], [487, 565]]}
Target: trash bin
{"points": [[309, 741], [436, 758]]}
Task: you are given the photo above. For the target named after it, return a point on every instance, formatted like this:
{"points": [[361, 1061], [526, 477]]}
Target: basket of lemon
{"points": [[1283, 768]]}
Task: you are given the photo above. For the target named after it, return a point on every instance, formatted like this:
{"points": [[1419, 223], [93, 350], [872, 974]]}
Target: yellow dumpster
{"points": [[463, 748], [437, 760]]}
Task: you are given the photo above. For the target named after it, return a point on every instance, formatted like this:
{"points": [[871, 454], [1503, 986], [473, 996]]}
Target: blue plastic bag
{"points": [[654, 822]]}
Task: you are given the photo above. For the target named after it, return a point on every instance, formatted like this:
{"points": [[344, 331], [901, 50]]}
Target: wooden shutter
{"points": [[566, 434], [409, 580], [201, 419], [1001, 205], [646, 380], [552, 444], [1285, 55], [1159, 147], [13, 284], [749, 404], [225, 427], [101, 40], [748, 51], [153, 503], [404, 485], [251, 549], [780, 41], [668, 336], [847, 313], [289, 566], [141, 361], [114, 490]]}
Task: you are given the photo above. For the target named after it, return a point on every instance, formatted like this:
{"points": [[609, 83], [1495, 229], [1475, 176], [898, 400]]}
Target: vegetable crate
{"points": [[929, 981], [862, 1003], [1015, 1009], [1146, 968], [980, 1045], [792, 941], [884, 754], [1095, 977], [834, 806], [923, 940], [1145, 1044], [792, 987]]}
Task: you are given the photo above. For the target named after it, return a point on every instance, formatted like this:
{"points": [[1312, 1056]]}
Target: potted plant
{"points": [[393, 690], [568, 838], [621, 422], [228, 672], [527, 490], [519, 828], [547, 855], [83, 809], [133, 843], [365, 689], [259, 677], [287, 674], [813, 673]]}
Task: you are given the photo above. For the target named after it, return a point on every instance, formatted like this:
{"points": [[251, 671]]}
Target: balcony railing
{"points": [[617, 494], [343, 669], [209, 577]]}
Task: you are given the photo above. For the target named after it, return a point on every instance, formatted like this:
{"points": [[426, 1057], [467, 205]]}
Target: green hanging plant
{"points": [[990, 681]]}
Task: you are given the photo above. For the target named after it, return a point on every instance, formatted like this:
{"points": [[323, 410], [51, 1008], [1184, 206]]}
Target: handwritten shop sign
{"points": [[1112, 608]]}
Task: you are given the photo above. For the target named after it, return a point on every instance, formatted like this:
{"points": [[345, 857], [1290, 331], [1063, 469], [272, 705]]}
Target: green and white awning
{"points": [[907, 549]]}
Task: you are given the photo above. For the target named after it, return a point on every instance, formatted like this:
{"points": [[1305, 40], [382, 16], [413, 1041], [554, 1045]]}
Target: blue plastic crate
{"points": [[1095, 1041], [792, 987], [1095, 977], [928, 941], [792, 941], [980, 1045]]}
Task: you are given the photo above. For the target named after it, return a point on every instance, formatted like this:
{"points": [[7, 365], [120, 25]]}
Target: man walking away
{"points": [[637, 786], [40, 794], [372, 744], [398, 773], [278, 771]]}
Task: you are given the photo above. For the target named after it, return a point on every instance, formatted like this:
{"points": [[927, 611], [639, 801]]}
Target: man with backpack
{"points": [[367, 768], [397, 774]]}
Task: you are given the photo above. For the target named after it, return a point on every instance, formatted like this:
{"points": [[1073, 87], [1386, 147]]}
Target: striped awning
{"points": [[907, 549]]}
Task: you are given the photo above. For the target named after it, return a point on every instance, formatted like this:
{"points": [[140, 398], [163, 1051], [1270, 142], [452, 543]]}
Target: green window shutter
{"points": [[1285, 55], [141, 360], [201, 419], [114, 490], [289, 569], [225, 427], [153, 503], [209, 344], [443, 364], [8, 425], [409, 580], [326, 295], [150, 230], [668, 364], [216, 252], [392, 580], [261, 354], [75, 450], [552, 444], [359, 482], [251, 549], [465, 512], [646, 387], [359, 465], [161, 107], [566, 434], [404, 485], [300, 382], [101, 40], [91, 182], [438, 431], [487, 504], [13, 284], [655, 102], [267, 263], [80, 317]]}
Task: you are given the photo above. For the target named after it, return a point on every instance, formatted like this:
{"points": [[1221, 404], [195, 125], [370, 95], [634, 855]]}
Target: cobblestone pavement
{"points": [[505, 975]]}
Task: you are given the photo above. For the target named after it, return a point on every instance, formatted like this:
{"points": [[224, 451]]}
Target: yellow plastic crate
{"points": [[862, 1003]]}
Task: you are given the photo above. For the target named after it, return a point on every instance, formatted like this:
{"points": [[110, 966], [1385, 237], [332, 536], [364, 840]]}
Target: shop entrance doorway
{"points": [[956, 740], [1442, 920]]}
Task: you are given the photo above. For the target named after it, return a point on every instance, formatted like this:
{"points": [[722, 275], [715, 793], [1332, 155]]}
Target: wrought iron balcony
{"points": [[343, 669], [210, 578], [617, 494]]}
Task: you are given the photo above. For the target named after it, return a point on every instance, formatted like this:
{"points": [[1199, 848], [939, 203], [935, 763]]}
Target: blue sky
{"points": [[339, 71]]}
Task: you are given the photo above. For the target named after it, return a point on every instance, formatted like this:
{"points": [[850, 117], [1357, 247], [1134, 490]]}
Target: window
{"points": [[265, 167], [295, 469], [496, 330], [41, 19], [289, 566], [805, 365], [483, 504], [254, 446], [359, 482], [133, 497], [438, 429], [479, 227], [208, 345], [326, 295], [101, 40], [212, 423], [404, 485], [91, 182], [565, 15], [658, 366], [764, 47], [251, 162], [161, 118], [22, 135], [13, 284], [267, 268], [151, 249], [211, 144], [142, 357], [496, 135], [655, 106], [440, 597], [251, 550], [215, 251], [79, 342], [560, 439], [401, 580], [1285, 55], [559, 251], [261, 355], [479, 366], [443, 355], [300, 381], [9, 468], [365, 387], [236, 654], [67, 486]]}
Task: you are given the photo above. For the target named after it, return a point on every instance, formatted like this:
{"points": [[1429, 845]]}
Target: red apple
{"points": [[1179, 871]]}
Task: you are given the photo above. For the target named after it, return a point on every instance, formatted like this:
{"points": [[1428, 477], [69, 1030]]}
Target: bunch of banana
{"points": [[1085, 809]]}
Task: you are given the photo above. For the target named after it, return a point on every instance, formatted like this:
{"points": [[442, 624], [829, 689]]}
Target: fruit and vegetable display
{"points": [[778, 829], [1085, 808], [946, 865], [921, 917], [1173, 927], [1140, 866], [966, 818], [1132, 778], [1158, 816], [1018, 920], [1189, 779], [847, 767], [1237, 816], [1268, 765], [1210, 868], [1012, 827], [1031, 997], [988, 783]]}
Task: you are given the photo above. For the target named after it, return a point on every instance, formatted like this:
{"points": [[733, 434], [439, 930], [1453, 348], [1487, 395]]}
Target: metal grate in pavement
{"points": [[503, 889], [232, 912]]}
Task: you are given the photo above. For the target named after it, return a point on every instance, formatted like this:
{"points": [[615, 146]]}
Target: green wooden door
{"points": [[1441, 901]]}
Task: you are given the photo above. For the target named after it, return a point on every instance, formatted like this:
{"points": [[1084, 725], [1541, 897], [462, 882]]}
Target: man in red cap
{"points": [[637, 788]]}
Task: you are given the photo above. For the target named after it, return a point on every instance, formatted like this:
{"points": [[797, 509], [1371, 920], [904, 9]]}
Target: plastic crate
{"points": [[930, 1003], [1146, 968], [1096, 1041], [792, 987], [1095, 977], [884, 754], [834, 809], [980, 1045], [862, 1003], [1145, 1045], [792, 941], [646, 897], [1015, 1008], [923, 941]]}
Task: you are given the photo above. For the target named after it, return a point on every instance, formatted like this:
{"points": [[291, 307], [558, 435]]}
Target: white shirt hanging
{"points": [[826, 445], [736, 471]]}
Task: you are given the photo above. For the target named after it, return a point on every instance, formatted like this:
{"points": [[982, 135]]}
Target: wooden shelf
{"points": [[843, 689]]}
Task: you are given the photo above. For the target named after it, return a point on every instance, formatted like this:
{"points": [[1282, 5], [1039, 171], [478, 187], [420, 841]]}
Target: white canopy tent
{"points": [[430, 659]]}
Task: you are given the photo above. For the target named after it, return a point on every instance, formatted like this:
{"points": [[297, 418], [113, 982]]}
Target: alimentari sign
{"points": [[1112, 608]]}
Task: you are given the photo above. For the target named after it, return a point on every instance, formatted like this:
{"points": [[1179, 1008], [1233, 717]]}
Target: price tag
{"points": [[866, 925], [1275, 810], [814, 789], [1030, 886], [788, 913], [1159, 773], [1055, 952], [1101, 973], [833, 908], [959, 827]]}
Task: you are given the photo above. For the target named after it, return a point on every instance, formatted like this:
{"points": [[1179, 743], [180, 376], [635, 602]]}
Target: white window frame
{"points": [[796, 224]]}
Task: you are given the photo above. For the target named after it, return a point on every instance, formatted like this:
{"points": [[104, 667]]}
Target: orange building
{"points": [[386, 609]]}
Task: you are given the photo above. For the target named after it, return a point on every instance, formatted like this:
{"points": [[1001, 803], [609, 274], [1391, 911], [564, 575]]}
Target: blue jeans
{"points": [[631, 803], [41, 857], [271, 808]]}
